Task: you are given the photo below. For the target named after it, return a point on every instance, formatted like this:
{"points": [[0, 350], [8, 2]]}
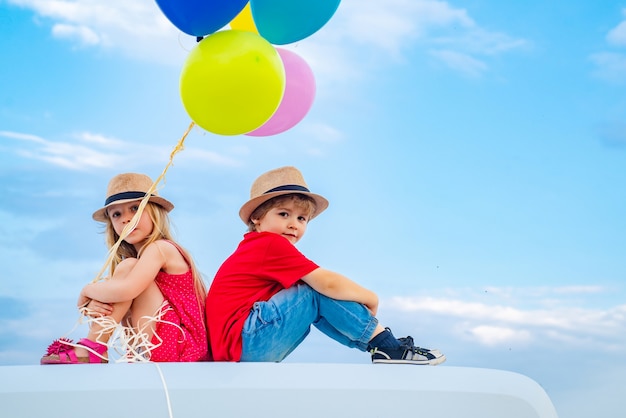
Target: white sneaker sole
{"points": [[432, 362]]}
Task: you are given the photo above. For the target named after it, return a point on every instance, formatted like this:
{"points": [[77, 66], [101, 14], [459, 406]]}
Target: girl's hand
{"points": [[83, 300], [97, 309]]}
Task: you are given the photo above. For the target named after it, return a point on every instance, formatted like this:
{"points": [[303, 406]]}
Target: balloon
{"points": [[298, 97], [232, 82], [244, 21], [285, 21], [200, 17]]}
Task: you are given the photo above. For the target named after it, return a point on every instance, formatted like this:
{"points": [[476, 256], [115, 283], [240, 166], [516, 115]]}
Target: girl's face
{"points": [[287, 220], [122, 213]]}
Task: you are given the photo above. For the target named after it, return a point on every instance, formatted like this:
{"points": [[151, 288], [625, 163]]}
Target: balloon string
{"points": [[133, 222]]}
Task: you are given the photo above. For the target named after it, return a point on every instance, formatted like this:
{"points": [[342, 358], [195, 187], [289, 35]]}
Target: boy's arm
{"points": [[337, 286]]}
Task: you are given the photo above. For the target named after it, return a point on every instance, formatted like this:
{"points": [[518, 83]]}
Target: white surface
{"points": [[267, 390]]}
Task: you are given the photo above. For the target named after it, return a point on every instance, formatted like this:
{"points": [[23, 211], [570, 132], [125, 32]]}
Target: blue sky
{"points": [[473, 153]]}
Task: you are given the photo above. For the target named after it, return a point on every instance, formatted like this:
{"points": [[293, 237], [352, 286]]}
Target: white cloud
{"points": [[617, 35], [137, 28], [86, 150], [212, 158], [533, 314], [610, 66], [99, 139], [481, 42], [17, 234], [398, 26], [493, 335], [83, 34], [393, 25], [69, 155], [140, 30], [12, 225], [545, 291], [461, 62], [323, 132]]}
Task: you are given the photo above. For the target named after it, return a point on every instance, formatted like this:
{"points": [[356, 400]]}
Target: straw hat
{"points": [[128, 187], [281, 181]]}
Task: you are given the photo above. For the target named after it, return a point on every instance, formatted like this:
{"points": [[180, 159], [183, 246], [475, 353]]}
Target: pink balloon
{"points": [[297, 99]]}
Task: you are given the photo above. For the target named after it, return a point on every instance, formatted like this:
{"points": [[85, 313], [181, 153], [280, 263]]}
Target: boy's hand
{"points": [[373, 309]]}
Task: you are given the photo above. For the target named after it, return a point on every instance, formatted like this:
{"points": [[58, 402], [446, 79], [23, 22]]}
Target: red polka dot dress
{"points": [[180, 333]]}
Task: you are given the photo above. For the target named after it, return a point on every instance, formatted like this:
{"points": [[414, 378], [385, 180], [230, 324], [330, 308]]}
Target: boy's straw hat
{"points": [[284, 180], [128, 187]]}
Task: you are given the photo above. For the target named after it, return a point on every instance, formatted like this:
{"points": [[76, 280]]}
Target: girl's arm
{"points": [[119, 289], [337, 286], [96, 309]]}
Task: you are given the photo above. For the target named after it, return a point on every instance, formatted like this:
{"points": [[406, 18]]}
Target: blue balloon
{"points": [[200, 17], [286, 21]]}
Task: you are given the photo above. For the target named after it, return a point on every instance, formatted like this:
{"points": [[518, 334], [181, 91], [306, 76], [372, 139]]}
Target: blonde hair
{"points": [[301, 201], [160, 230]]}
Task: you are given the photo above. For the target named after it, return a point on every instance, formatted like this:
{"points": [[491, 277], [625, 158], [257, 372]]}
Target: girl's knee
{"points": [[124, 267]]}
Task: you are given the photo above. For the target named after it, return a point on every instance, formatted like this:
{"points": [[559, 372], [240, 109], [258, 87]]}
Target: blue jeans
{"points": [[276, 327]]}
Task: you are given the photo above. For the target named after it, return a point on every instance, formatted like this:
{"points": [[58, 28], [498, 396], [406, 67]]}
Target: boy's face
{"points": [[287, 220]]}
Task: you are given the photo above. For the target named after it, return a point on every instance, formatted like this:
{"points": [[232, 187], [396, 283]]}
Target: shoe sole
{"points": [[432, 362]]}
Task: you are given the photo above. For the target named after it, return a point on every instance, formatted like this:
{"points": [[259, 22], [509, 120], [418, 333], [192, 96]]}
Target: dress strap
{"points": [[181, 251]]}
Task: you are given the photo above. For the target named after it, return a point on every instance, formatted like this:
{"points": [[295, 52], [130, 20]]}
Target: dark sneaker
{"points": [[408, 353]]}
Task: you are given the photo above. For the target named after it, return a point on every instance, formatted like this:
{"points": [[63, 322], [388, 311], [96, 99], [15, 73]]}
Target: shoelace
{"points": [[409, 344]]}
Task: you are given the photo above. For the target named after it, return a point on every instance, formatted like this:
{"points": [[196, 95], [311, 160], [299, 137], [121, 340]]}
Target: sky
{"points": [[473, 153]]}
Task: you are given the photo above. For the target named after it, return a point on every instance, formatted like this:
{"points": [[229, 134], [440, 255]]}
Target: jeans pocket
{"points": [[262, 315]]}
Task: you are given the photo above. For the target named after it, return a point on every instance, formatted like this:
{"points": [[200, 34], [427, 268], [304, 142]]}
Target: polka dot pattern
{"points": [[181, 332]]}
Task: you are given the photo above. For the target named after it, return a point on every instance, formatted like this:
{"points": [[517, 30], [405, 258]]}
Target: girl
{"points": [[154, 289]]}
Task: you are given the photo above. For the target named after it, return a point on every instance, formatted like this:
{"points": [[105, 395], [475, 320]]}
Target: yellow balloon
{"points": [[244, 20], [232, 82]]}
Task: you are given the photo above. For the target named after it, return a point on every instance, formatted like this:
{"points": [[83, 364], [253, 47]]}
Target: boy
{"points": [[267, 294]]}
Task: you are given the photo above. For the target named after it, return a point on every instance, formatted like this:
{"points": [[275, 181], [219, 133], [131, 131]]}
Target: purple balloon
{"points": [[297, 99], [200, 17]]}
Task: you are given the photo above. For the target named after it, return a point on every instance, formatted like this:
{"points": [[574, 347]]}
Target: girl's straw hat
{"points": [[128, 187], [284, 180]]}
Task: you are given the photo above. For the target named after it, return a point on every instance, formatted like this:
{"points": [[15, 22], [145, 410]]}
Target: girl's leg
{"points": [[137, 313], [144, 308], [96, 332], [276, 327]]}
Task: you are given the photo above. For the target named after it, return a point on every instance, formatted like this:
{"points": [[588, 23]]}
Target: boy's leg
{"points": [[276, 327], [338, 318], [349, 323]]}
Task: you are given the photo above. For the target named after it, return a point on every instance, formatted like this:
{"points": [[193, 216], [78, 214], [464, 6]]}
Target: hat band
{"points": [[288, 187], [124, 195]]}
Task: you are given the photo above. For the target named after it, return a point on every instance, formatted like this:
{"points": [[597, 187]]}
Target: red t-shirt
{"points": [[263, 264]]}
